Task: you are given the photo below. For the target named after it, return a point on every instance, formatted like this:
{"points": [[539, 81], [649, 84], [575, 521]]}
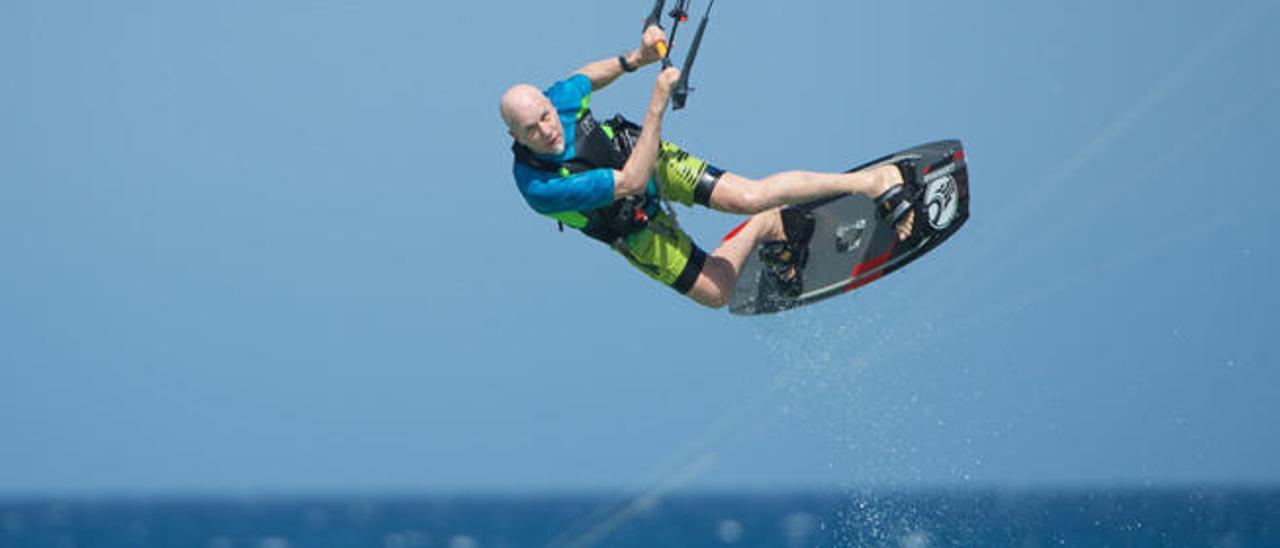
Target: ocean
{"points": [[916, 519]]}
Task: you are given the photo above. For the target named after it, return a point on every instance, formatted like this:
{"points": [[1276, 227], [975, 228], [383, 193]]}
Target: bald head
{"points": [[519, 99], [532, 119]]}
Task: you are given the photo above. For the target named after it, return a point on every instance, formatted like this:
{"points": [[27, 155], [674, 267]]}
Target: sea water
{"points": [[1136, 517]]}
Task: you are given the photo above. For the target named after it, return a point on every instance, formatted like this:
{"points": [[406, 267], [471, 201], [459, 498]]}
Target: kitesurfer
{"points": [[608, 179]]}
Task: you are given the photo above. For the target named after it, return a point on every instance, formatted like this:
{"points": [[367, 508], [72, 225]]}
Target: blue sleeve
{"points": [[567, 95], [549, 194]]}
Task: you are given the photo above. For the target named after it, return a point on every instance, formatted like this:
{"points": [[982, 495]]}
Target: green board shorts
{"points": [[663, 250]]}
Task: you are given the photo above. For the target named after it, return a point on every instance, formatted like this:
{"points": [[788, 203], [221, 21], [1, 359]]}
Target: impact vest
{"points": [[598, 146]]}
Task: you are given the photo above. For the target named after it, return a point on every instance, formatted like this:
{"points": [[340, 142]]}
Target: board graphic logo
{"points": [[849, 237], [940, 201]]}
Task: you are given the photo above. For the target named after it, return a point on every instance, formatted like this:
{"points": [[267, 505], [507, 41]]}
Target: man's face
{"points": [[537, 126]]}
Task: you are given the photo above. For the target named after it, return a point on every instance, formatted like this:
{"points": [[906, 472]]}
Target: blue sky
{"points": [[277, 247]]}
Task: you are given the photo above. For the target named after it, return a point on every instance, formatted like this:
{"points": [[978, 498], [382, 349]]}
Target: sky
{"points": [[277, 247]]}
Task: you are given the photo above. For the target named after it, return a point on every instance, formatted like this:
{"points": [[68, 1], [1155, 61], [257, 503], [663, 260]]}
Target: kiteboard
{"points": [[851, 245]]}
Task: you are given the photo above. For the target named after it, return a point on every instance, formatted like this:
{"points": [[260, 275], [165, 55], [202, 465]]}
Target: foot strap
{"points": [[894, 203]]}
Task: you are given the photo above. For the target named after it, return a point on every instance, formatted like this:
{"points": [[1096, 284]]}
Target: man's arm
{"points": [[635, 174], [605, 71]]}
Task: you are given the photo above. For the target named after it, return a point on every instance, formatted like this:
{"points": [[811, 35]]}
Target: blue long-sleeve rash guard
{"points": [[549, 193]]}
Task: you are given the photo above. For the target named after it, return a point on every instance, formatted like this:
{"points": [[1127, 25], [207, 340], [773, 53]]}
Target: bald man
{"points": [[608, 180]]}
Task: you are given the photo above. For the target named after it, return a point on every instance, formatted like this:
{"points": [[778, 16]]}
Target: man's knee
{"points": [[715, 283], [713, 298]]}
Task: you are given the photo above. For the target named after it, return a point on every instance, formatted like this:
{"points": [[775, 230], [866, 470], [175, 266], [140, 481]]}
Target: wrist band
{"points": [[626, 67]]}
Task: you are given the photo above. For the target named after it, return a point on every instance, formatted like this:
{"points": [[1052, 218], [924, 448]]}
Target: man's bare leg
{"points": [[737, 194], [715, 283]]}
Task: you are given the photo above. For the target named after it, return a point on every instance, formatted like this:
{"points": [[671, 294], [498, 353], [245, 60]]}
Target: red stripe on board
{"points": [[958, 156], [869, 265], [735, 231]]}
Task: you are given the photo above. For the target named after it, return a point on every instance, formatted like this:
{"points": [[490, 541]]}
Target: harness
{"points": [[600, 146]]}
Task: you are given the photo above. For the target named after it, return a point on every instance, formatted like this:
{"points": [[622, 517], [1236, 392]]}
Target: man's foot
{"points": [[785, 257], [769, 225], [888, 177]]}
